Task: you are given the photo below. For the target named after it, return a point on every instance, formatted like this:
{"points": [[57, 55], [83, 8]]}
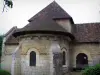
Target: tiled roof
{"points": [[44, 20], [52, 11], [87, 32]]}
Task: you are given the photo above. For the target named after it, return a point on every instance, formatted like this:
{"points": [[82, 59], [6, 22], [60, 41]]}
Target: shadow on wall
{"points": [[1, 41]]}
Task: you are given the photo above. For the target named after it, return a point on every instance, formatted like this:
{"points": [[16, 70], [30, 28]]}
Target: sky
{"points": [[82, 11]]}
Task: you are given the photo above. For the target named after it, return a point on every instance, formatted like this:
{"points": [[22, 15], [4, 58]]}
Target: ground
{"points": [[76, 73]]}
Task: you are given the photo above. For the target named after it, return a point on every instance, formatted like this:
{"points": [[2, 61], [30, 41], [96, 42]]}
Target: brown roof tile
{"points": [[87, 32], [52, 11], [45, 20]]}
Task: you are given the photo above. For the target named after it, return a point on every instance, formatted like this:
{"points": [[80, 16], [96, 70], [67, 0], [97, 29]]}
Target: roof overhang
{"points": [[16, 34]]}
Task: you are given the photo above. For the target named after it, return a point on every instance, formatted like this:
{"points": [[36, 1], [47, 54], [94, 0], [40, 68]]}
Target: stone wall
{"points": [[41, 44], [65, 24], [6, 59], [92, 50]]}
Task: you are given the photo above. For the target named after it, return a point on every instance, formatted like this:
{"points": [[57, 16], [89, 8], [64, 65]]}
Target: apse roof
{"points": [[44, 21], [52, 11]]}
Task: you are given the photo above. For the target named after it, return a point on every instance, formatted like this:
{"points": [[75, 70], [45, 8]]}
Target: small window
{"points": [[32, 58], [64, 58]]}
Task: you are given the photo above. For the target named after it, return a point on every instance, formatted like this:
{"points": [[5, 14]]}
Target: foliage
{"points": [[94, 70], [8, 3], [3, 72]]}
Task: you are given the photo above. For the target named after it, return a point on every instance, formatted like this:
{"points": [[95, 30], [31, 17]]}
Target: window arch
{"points": [[32, 58], [64, 57], [28, 56]]}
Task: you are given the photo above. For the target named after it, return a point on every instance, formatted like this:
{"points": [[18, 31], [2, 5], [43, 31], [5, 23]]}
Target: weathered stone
{"points": [[57, 60]]}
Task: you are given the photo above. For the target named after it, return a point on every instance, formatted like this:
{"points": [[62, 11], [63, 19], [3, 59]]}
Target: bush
{"points": [[94, 70], [3, 72]]}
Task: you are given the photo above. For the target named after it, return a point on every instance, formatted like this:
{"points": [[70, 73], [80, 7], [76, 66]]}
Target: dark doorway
{"points": [[32, 58], [81, 61]]}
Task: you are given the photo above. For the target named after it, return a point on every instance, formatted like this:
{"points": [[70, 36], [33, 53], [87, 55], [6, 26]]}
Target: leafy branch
{"points": [[7, 3]]}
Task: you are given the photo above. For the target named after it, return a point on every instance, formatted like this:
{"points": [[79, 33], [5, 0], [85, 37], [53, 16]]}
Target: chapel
{"points": [[51, 44]]}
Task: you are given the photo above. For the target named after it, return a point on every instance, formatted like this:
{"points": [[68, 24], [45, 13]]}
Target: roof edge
{"points": [[16, 34]]}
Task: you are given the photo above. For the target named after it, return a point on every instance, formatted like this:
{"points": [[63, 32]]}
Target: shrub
{"points": [[3, 72], [94, 70]]}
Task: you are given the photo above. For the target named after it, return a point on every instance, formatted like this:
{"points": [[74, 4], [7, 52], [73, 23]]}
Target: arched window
{"points": [[32, 58], [64, 58]]}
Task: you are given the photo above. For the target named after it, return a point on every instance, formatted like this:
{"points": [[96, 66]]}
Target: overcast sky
{"points": [[82, 11]]}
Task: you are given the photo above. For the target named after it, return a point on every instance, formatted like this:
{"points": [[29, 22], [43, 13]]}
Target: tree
{"points": [[7, 3]]}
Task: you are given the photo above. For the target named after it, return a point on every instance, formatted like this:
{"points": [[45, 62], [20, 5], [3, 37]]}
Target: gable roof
{"points": [[87, 32]]}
